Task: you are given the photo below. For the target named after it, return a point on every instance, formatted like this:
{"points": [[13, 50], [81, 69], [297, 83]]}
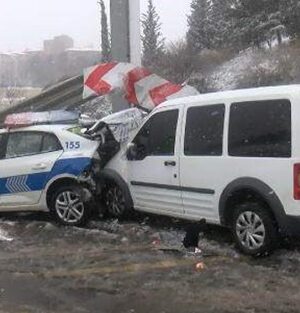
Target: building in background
{"points": [[58, 44], [57, 61]]}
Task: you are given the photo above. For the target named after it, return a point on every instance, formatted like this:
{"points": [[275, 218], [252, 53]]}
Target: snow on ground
{"points": [[4, 236], [254, 68], [112, 265], [227, 75], [10, 97]]}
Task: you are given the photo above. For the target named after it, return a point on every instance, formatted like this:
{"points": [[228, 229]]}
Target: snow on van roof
{"points": [[239, 94]]}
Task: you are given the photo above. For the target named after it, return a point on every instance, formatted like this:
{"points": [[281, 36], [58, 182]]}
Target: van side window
{"points": [[157, 137], [204, 130], [260, 129]]}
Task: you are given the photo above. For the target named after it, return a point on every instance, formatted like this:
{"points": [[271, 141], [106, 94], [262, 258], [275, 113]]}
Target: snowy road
{"points": [[137, 266]]}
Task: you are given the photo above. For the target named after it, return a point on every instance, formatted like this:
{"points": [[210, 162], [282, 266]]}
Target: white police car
{"points": [[42, 155]]}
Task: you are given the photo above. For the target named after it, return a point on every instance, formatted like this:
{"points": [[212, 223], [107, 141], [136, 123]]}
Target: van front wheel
{"points": [[116, 202], [254, 229]]}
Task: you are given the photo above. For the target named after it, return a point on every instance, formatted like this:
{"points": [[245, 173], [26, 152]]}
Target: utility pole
{"points": [[125, 38]]}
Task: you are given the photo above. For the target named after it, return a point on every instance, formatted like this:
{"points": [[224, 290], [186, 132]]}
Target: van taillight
{"points": [[297, 181]]}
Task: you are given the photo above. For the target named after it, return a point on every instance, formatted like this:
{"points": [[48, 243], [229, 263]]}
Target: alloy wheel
{"points": [[250, 230], [69, 207], [115, 201]]}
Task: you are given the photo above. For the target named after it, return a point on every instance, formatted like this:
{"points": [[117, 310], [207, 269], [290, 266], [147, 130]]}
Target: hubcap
{"points": [[250, 230], [115, 201], [69, 207]]}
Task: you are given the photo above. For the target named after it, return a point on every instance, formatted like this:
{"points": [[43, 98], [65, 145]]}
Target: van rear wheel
{"points": [[254, 229]]}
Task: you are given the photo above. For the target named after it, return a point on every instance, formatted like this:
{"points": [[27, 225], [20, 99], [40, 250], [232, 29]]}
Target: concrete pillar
{"points": [[135, 32], [125, 38]]}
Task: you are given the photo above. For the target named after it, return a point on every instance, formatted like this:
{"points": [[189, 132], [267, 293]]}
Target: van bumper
{"points": [[290, 226]]}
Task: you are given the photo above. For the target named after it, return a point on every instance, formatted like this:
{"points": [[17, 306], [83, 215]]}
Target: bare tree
{"points": [[13, 95]]}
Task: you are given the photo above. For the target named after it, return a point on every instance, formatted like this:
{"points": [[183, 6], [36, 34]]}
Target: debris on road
{"points": [[156, 242], [4, 236], [198, 251], [200, 266]]}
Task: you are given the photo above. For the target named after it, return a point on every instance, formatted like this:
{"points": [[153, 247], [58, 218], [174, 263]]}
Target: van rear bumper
{"points": [[290, 226]]}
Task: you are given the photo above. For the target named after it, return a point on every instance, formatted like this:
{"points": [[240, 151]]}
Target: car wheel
{"points": [[254, 229], [115, 201], [68, 207]]}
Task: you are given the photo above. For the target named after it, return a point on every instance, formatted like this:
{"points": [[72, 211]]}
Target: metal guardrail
{"points": [[64, 95]]}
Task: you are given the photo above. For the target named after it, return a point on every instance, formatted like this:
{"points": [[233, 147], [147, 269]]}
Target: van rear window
{"points": [[260, 129]]}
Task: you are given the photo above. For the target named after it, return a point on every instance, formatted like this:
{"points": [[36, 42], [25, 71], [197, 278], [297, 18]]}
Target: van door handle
{"points": [[40, 166], [170, 163]]}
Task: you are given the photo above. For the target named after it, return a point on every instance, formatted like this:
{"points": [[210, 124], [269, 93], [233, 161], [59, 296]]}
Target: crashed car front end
{"points": [[112, 133]]}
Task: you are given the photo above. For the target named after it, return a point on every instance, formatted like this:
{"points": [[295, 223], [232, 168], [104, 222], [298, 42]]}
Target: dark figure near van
{"points": [[191, 238]]}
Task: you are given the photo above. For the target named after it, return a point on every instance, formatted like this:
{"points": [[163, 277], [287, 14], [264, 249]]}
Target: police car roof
{"points": [[42, 127]]}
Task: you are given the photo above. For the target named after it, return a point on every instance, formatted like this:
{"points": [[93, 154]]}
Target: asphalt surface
{"points": [[137, 266]]}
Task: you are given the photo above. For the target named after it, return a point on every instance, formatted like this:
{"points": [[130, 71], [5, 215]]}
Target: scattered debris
{"points": [[198, 251], [200, 266], [4, 236], [156, 242], [124, 240]]}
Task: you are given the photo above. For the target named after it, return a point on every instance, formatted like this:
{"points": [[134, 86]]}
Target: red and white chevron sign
{"points": [[140, 86]]}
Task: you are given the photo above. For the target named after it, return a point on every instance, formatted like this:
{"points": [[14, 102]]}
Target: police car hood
{"points": [[120, 124]]}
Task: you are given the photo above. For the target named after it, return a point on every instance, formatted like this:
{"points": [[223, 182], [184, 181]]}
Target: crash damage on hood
{"points": [[112, 132]]}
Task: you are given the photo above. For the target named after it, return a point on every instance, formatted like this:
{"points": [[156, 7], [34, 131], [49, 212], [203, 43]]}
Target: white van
{"points": [[231, 158]]}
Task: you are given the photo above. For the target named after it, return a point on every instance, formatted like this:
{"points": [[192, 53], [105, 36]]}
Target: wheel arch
{"points": [[109, 175], [250, 188], [56, 183]]}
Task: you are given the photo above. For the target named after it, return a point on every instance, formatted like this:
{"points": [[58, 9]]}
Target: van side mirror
{"points": [[132, 152]]}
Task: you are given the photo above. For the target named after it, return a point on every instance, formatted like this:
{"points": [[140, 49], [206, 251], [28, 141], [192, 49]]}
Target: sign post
{"points": [[135, 32]]}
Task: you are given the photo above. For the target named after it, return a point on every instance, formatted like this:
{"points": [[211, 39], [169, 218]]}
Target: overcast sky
{"points": [[25, 24]]}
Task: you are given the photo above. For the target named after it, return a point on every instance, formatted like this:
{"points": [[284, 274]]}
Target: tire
{"points": [[116, 201], [254, 229], [67, 206]]}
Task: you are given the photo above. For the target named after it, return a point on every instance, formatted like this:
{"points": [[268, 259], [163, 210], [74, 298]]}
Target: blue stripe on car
{"points": [[37, 181]]}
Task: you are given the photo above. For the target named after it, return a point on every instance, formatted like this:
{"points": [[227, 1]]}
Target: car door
{"points": [[29, 157], [154, 171], [202, 161]]}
